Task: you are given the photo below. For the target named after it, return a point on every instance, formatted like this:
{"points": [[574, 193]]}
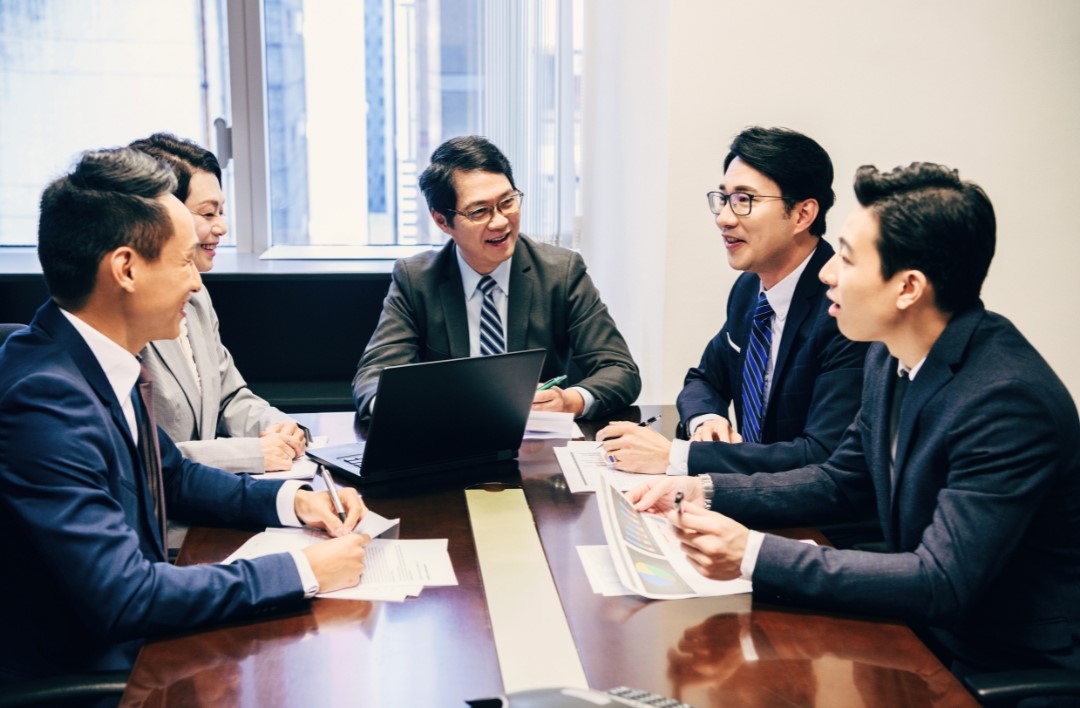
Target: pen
{"points": [[554, 382], [678, 502], [642, 424], [332, 488]]}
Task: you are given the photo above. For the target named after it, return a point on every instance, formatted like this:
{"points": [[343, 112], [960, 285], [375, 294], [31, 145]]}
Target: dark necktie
{"points": [[754, 368], [899, 391], [491, 329], [149, 449]]}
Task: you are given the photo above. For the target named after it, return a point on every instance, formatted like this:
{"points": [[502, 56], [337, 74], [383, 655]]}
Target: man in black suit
{"points": [[770, 210], [966, 441]]}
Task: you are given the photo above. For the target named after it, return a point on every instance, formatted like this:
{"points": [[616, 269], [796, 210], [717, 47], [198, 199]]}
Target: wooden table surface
{"points": [[438, 649]]}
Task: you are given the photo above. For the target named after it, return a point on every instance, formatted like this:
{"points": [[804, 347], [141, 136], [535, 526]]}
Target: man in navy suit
{"points": [[966, 441], [81, 513], [770, 210]]}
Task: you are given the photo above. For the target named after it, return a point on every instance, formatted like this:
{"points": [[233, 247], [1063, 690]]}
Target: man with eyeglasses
{"points": [[491, 289], [794, 379]]}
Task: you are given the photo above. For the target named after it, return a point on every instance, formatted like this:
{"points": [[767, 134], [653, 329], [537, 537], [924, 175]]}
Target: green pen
{"points": [[554, 382]]}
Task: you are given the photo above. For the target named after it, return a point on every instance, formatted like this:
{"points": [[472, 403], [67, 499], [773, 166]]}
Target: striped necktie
{"points": [[149, 450], [492, 340], [754, 369]]}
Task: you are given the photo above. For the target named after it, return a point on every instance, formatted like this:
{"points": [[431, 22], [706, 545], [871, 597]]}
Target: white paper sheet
{"points": [[546, 425], [583, 465]]}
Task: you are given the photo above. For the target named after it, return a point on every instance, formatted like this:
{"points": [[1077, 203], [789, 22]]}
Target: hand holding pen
{"points": [[631, 447], [642, 424]]}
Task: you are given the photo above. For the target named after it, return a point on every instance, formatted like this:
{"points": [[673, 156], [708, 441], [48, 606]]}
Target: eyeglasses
{"points": [[481, 215], [741, 202]]}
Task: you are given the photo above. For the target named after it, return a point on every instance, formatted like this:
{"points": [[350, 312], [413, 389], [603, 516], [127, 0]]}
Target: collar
{"points": [[470, 278], [779, 295], [120, 367], [911, 373]]}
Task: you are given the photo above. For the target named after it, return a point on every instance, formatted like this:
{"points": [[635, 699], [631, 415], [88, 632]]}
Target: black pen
{"points": [[678, 502], [332, 488], [642, 424]]}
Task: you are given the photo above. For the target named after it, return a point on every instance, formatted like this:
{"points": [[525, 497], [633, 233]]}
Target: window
{"points": [[322, 113], [358, 98], [76, 75]]}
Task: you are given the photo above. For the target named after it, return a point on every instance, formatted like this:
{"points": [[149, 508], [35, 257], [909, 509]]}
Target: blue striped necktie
{"points": [[757, 360], [491, 329]]}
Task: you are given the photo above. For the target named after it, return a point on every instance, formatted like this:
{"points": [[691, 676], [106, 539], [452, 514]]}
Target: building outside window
{"points": [[351, 98]]}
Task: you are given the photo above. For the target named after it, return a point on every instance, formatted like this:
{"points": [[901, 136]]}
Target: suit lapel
{"points": [[452, 302], [172, 356], [66, 336], [522, 284], [944, 359], [203, 343], [805, 291]]}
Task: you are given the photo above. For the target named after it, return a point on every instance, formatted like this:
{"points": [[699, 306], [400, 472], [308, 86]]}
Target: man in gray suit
{"points": [[966, 441], [491, 289]]}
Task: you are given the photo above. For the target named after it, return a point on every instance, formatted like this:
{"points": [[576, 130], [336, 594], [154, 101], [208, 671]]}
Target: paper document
{"points": [[600, 570], [302, 468], [544, 425], [393, 569], [648, 557], [583, 464]]}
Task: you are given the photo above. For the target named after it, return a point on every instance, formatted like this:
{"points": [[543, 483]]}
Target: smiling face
{"points": [[207, 202], [764, 241], [865, 304], [483, 245], [165, 284]]}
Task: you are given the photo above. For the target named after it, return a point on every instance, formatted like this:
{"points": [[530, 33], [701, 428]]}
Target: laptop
{"points": [[441, 415]]}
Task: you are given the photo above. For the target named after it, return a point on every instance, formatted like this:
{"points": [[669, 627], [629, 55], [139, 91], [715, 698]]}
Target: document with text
{"points": [[647, 555], [584, 466]]}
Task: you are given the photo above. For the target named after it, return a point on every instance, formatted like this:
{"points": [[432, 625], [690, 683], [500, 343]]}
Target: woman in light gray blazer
{"points": [[200, 399]]}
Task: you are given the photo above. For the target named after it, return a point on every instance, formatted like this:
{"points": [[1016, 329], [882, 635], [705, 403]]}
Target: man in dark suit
{"points": [[492, 289], [84, 489], [966, 441], [770, 210]]}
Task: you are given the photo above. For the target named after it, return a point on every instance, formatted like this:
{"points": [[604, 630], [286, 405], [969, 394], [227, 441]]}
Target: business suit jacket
{"points": [[219, 425], [982, 522], [815, 387], [87, 574], [553, 305]]}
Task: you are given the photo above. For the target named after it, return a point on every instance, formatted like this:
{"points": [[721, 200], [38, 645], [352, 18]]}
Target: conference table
{"points": [[438, 649]]}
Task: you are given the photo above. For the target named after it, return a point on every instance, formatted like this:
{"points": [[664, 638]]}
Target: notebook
{"points": [[441, 415]]}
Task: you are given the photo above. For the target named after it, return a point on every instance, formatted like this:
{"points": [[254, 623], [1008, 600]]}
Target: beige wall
{"points": [[989, 87]]}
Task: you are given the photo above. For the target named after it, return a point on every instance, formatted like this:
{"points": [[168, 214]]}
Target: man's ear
{"points": [[805, 212], [120, 266], [913, 288], [440, 221]]}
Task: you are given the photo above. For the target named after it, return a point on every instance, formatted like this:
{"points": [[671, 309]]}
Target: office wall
{"points": [[991, 87]]}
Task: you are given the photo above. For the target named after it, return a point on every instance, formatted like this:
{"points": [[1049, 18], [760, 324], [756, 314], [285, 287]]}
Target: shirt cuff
{"points": [[750, 554], [307, 575], [679, 458], [695, 422], [286, 502], [588, 398]]}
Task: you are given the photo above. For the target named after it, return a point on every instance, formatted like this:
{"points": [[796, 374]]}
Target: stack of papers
{"points": [[586, 469], [393, 569], [545, 425]]}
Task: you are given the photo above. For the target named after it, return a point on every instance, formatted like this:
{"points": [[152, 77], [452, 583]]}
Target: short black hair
{"points": [[799, 166], [183, 156], [468, 153], [932, 221], [107, 201]]}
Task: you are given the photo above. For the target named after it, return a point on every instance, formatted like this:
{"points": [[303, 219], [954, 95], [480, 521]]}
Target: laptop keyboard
{"points": [[354, 459]]}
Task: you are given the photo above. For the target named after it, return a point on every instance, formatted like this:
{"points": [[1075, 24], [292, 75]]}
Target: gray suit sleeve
{"points": [[396, 339], [597, 347]]}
